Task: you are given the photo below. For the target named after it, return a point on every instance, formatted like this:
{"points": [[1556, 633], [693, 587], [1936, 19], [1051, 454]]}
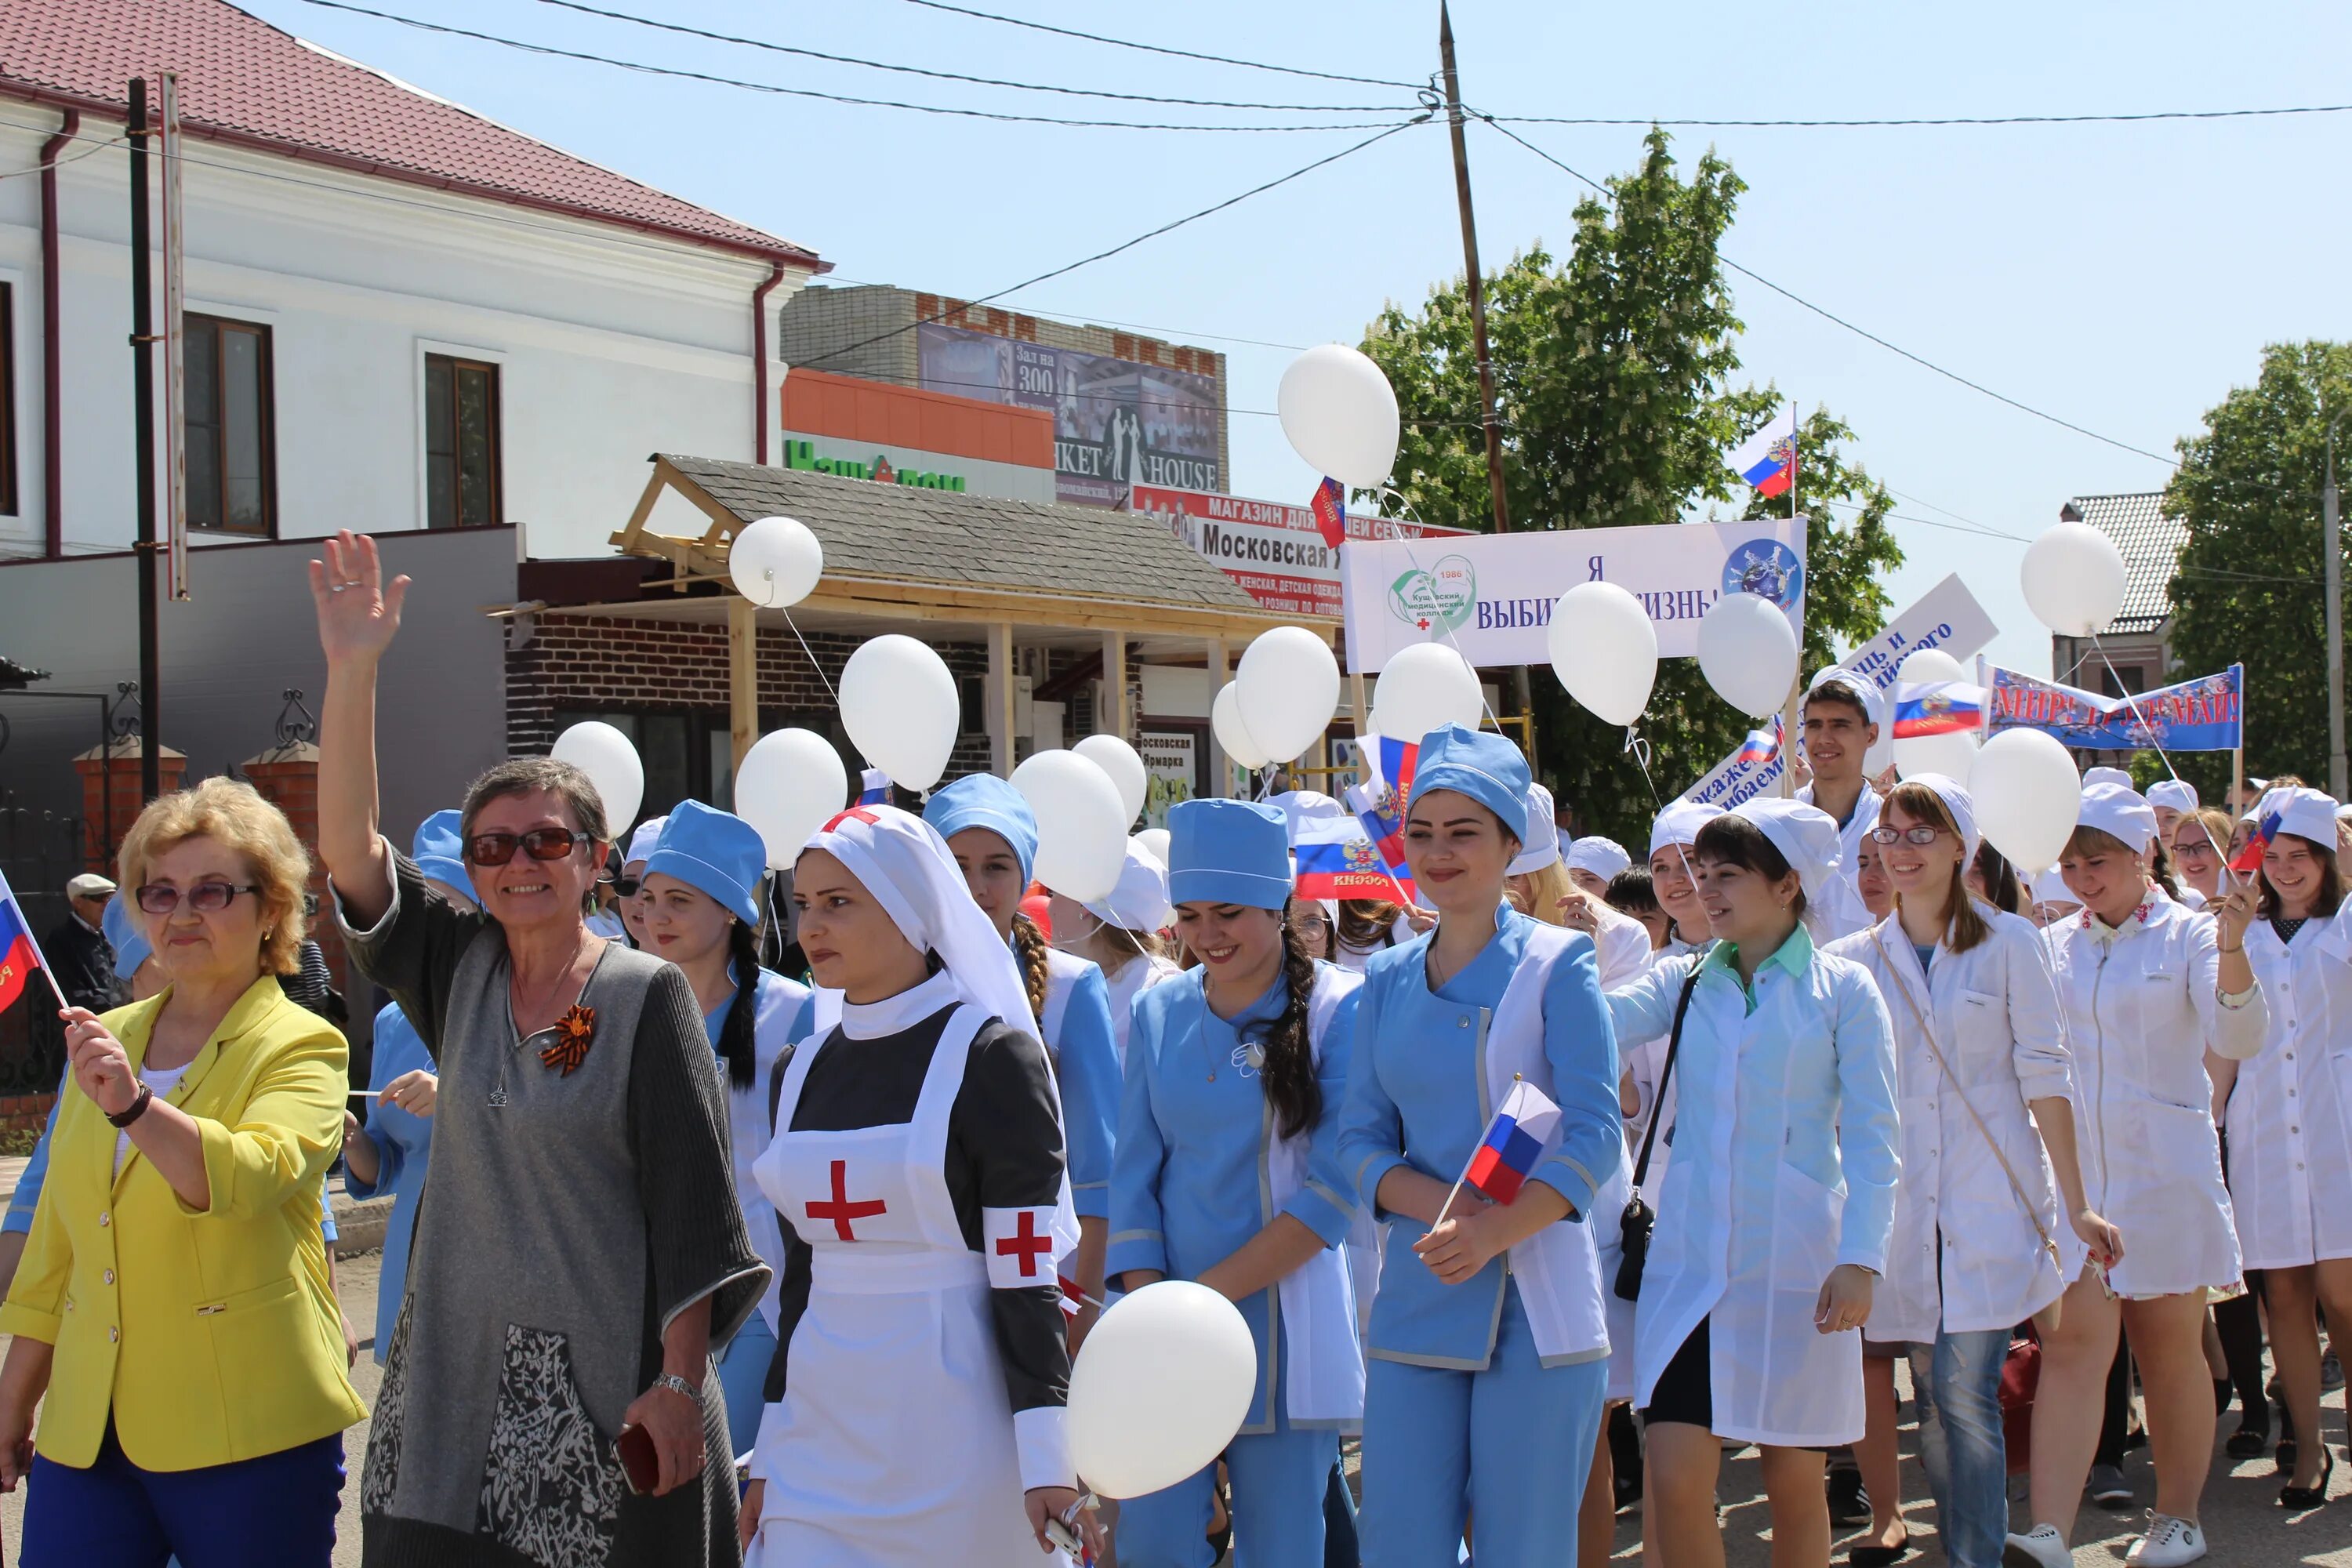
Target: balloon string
{"points": [[829, 691], [1637, 747], [2139, 718], [1397, 536]]}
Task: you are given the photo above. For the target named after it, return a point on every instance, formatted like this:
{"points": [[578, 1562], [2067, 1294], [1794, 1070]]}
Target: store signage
{"points": [[1274, 552], [1171, 758], [1491, 594], [800, 454]]}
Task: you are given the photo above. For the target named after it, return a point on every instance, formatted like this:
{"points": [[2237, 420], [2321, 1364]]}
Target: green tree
{"points": [[2249, 587], [1613, 381]]}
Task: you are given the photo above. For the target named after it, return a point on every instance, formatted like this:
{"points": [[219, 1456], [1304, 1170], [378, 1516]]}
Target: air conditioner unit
{"points": [[1025, 706]]}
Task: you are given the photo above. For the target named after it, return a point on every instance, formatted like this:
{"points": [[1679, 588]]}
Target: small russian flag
{"points": [[1383, 826], [1331, 509], [1513, 1142], [20, 956], [1767, 459], [1335, 858], [2249, 858], [874, 788], [1397, 761], [1761, 745], [1937, 708]]}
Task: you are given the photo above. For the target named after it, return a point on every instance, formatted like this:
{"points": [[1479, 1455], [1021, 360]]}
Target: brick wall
{"points": [[25, 1112]]}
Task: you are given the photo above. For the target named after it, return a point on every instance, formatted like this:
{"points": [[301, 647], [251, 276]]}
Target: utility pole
{"points": [[142, 426], [2331, 548], [1478, 290]]}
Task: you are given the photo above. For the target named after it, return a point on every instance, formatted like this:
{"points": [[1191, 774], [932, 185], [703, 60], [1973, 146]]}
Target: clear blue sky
{"points": [[2121, 277]]}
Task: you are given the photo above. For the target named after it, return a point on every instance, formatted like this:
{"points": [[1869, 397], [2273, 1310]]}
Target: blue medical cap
{"points": [[131, 946], [984, 800], [439, 850], [716, 852], [1228, 852], [1487, 768]]}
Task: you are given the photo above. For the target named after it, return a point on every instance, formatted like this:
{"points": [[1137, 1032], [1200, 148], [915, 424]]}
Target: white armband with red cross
{"points": [[1019, 1246]]}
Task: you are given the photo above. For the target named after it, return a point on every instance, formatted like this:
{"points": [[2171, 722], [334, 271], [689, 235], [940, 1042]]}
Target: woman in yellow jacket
{"points": [[172, 1304]]}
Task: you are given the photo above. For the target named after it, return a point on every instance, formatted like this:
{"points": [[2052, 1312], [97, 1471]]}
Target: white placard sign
{"points": [[1491, 594], [1946, 616]]}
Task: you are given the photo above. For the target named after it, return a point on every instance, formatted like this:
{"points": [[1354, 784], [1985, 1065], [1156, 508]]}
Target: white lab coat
{"points": [[1136, 976], [1785, 1166], [1839, 910], [1621, 944], [2142, 1009], [1996, 1019], [2290, 1115]]}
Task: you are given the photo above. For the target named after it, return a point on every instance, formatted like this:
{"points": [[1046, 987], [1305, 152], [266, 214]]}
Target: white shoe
{"points": [[2168, 1542], [2041, 1547]]}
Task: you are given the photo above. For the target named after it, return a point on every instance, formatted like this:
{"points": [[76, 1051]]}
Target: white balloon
{"points": [[1288, 688], [792, 783], [1604, 650], [1152, 841], [2027, 797], [1128, 773], [1930, 663], [775, 562], [2073, 578], [1340, 415], [1159, 1388], [1225, 719], [1747, 651], [610, 759], [899, 704], [1081, 836], [1426, 687]]}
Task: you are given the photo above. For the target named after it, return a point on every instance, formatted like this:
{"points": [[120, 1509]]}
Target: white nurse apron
{"points": [[893, 1447]]}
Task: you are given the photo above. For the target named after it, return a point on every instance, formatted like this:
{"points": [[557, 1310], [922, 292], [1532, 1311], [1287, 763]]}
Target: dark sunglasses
{"points": [[540, 844], [624, 887], [204, 898], [1923, 834]]}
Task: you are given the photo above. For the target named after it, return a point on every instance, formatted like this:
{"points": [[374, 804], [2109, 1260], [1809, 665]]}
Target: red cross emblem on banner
{"points": [[840, 1210], [1025, 1245]]}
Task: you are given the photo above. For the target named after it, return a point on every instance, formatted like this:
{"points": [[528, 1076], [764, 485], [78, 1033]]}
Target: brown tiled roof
{"points": [[2150, 542], [244, 81]]}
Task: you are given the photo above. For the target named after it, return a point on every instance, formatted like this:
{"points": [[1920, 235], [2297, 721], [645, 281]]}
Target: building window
{"points": [[231, 487], [461, 443], [8, 399]]}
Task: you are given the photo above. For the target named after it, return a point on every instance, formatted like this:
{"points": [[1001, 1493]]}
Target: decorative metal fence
{"points": [[39, 851]]}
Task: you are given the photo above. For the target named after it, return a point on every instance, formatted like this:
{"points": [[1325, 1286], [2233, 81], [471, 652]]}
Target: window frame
{"points": [[11, 469], [265, 419], [458, 359]]}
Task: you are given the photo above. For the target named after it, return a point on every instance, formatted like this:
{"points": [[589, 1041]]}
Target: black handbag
{"points": [[1638, 1218]]}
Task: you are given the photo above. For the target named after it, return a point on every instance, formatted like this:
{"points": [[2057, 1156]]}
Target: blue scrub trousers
{"points": [[1279, 1481], [277, 1509], [742, 1374], [1512, 1444]]}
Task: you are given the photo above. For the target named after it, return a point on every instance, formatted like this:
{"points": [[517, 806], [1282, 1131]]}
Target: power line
{"points": [[1839, 321], [97, 145], [960, 76], [682, 74], [1163, 49], [1421, 119], [2130, 119]]}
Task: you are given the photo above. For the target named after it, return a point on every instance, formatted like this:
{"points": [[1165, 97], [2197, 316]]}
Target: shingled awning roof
{"points": [[903, 543], [2150, 542]]}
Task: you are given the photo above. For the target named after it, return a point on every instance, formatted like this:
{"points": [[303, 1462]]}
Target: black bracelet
{"points": [[138, 1109]]}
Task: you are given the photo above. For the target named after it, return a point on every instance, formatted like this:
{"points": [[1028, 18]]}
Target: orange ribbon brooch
{"points": [[573, 1031]]}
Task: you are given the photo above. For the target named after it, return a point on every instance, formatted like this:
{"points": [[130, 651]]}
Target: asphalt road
{"points": [[2241, 1518]]}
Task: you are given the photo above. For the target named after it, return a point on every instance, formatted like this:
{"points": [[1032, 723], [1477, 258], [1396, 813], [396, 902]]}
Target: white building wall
{"points": [[611, 345]]}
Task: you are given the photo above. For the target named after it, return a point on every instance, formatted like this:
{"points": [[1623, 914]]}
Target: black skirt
{"points": [[1685, 1390]]}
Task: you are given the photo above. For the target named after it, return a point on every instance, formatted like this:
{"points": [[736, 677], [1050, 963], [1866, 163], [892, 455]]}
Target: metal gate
{"points": [[39, 850]]}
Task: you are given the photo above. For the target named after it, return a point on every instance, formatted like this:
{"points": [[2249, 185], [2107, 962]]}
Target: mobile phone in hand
{"points": [[640, 1463]]}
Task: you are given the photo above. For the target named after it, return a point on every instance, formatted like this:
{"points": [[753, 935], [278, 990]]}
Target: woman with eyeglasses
{"points": [[2201, 844], [172, 1316], [549, 1396], [1985, 1091], [628, 883]]}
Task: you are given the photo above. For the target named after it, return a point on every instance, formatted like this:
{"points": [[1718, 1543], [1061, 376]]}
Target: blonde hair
{"points": [[233, 815], [1546, 886]]}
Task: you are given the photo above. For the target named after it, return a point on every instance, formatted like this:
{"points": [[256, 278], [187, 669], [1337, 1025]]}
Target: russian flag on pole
{"points": [[1331, 509], [1513, 1142], [874, 788], [1337, 859], [2249, 858], [1761, 746], [19, 955], [1767, 459], [1937, 708]]}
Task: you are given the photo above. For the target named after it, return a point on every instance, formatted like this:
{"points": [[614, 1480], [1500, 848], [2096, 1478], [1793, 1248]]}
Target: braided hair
{"points": [[1288, 1070], [1029, 946], [736, 1042]]}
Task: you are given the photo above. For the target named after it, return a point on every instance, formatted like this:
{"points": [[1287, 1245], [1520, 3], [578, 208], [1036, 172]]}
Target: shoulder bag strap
{"points": [[1665, 1075]]}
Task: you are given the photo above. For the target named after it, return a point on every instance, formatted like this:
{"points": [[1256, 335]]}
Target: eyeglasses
{"points": [[2197, 847], [540, 844], [624, 887], [1922, 834], [204, 898]]}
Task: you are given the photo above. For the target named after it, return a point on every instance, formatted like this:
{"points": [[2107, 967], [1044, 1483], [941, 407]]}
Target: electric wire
{"points": [[2141, 117], [1164, 49]]}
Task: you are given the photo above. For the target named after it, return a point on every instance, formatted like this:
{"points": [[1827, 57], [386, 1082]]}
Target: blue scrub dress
{"points": [[1189, 1188], [403, 1140], [1462, 1415]]}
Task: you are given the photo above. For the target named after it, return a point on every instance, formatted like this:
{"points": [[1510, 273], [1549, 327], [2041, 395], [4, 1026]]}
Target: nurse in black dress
{"points": [[915, 1406]]}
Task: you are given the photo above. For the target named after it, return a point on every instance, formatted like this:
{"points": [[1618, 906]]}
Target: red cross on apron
{"points": [[840, 1210]]}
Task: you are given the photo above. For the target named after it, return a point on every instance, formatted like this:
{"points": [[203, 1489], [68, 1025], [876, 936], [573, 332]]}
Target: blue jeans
{"points": [[1957, 1381], [277, 1509]]}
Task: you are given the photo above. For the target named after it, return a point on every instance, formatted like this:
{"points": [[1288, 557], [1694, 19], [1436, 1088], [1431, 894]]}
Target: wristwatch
{"points": [[677, 1385], [133, 1113]]}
